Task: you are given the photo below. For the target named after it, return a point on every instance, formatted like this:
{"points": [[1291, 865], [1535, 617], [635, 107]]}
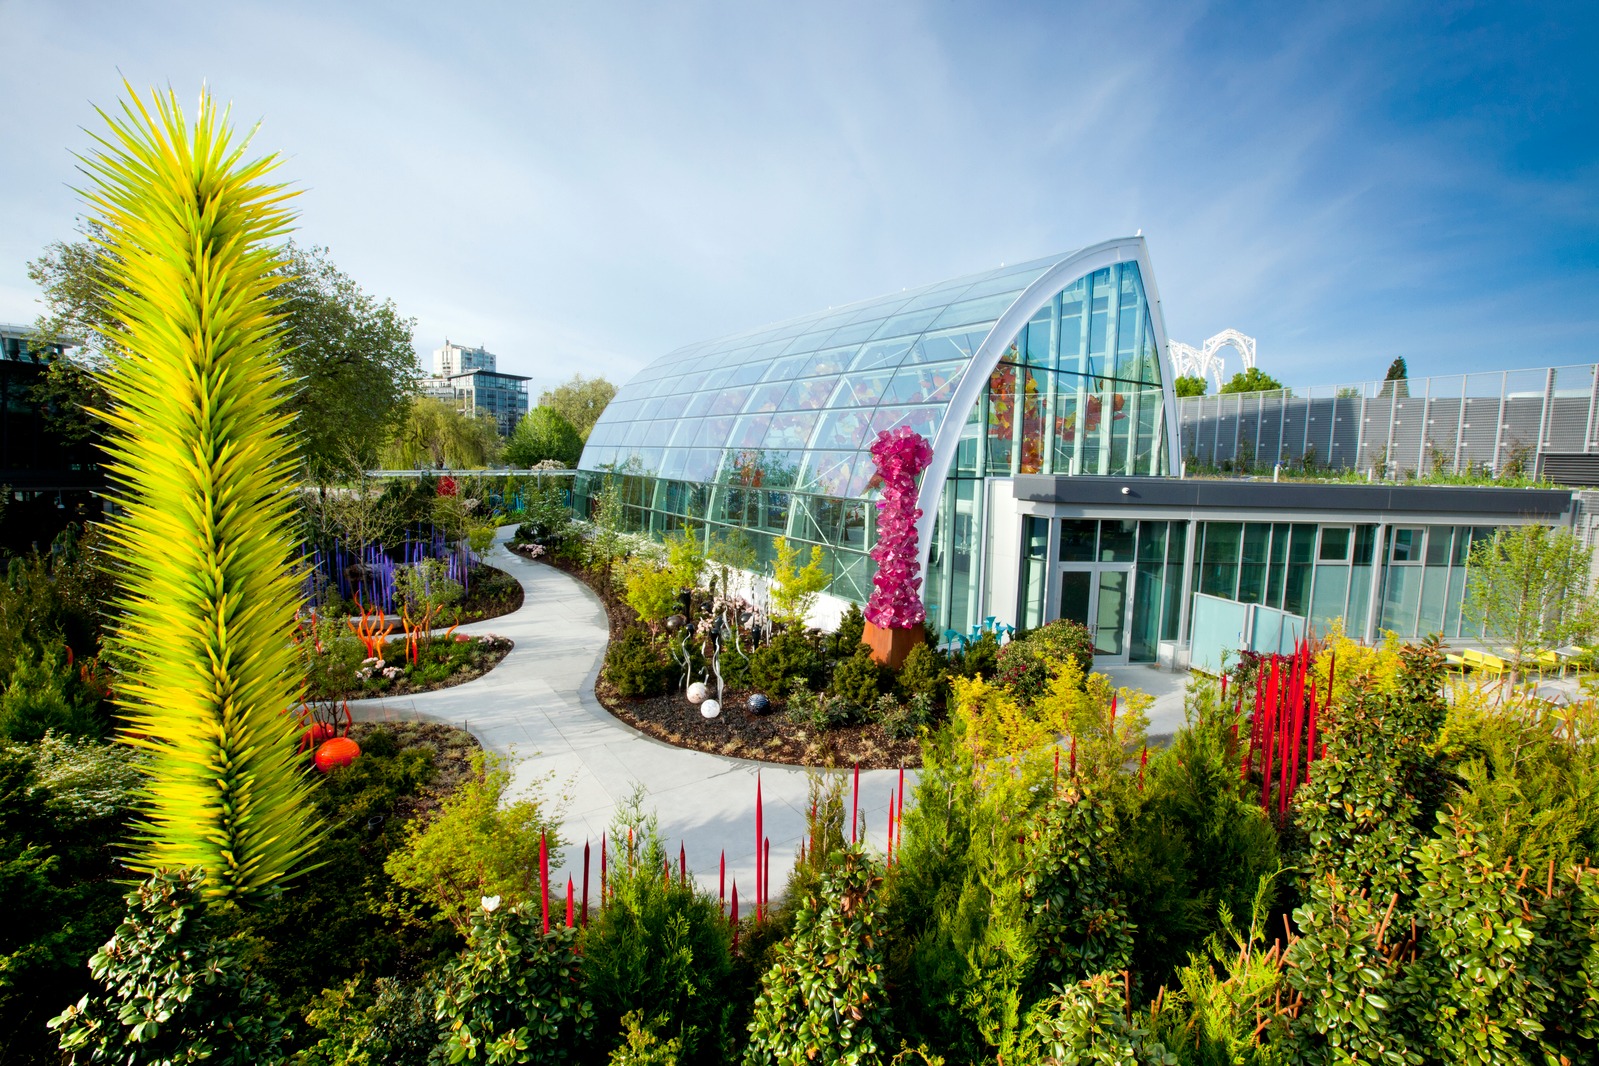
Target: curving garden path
{"points": [[538, 708]]}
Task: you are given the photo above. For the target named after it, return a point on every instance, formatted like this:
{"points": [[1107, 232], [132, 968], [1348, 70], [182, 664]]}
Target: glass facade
{"points": [[1324, 572], [1079, 391], [767, 432]]}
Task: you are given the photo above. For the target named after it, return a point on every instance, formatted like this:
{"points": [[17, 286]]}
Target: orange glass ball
{"points": [[340, 751], [315, 735]]}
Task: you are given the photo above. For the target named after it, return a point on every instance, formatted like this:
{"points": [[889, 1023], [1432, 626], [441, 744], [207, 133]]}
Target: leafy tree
{"points": [[1189, 385], [171, 992], [352, 358], [1394, 382], [436, 434], [515, 996], [825, 998], [476, 845], [543, 433], [796, 587], [200, 443], [1529, 587], [579, 401], [1252, 380]]}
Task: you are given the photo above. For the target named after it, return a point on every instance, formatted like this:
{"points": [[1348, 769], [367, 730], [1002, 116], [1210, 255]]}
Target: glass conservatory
{"points": [[1048, 367], [1045, 391]]}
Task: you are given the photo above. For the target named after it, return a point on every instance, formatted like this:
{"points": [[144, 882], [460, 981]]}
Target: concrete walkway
{"points": [[537, 707]]}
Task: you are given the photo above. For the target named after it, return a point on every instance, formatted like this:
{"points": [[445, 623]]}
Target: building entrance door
{"points": [[1097, 594]]}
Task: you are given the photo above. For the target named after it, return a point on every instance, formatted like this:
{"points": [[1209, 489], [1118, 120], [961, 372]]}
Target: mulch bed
{"points": [[452, 749], [492, 595], [767, 738]]}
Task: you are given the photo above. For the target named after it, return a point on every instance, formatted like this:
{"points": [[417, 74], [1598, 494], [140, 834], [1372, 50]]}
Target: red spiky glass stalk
{"points": [[585, 918], [721, 878], [1310, 738], [854, 805], [1268, 737], [1074, 758], [569, 903], [1054, 782], [733, 920], [766, 877], [902, 792], [544, 880], [1143, 761], [682, 863], [759, 831], [889, 855]]}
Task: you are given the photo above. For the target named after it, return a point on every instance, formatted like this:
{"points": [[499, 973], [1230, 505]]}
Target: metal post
{"points": [[1499, 421], [1460, 422], [1185, 610], [1379, 564], [1426, 411]]}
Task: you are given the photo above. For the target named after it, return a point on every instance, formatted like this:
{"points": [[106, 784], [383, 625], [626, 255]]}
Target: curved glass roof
{"points": [[796, 405]]}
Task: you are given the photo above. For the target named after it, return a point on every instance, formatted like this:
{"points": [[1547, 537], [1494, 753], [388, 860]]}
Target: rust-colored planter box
{"points": [[890, 646]]}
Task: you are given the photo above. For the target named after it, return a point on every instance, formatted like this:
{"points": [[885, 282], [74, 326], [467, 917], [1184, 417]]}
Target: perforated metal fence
{"points": [[1496, 423]]}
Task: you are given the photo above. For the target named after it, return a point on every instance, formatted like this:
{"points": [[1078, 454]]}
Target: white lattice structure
{"points": [[1189, 361]]}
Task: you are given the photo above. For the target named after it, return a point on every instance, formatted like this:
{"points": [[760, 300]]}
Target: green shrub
{"points": [[515, 995], [476, 845], [825, 998], [659, 948], [348, 916], [63, 808], [846, 639], [789, 658], [818, 711], [635, 666], [858, 679], [170, 991], [390, 1024], [901, 719], [925, 672], [651, 590], [1079, 921], [642, 1047], [979, 658], [44, 694], [1086, 1023]]}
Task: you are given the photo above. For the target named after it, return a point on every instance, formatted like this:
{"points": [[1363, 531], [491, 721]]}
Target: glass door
{"points": [[1097, 594]]}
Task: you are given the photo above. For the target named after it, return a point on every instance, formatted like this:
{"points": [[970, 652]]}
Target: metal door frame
{"points": [[1127, 568]]}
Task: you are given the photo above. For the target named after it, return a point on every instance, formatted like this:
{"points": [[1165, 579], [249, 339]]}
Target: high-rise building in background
{"points": [[468, 378]]}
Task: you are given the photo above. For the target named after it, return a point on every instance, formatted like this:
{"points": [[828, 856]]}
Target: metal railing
{"points": [[1496, 423]]}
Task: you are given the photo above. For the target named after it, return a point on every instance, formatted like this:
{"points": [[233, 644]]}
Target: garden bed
{"points": [[770, 737], [452, 749], [492, 593], [342, 672]]}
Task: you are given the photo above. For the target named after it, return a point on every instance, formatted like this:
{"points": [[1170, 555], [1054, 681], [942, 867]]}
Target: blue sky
{"points": [[583, 187]]}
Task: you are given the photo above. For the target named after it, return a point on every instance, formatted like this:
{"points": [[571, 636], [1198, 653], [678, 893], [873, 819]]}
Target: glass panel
{"points": [[843, 429], [1335, 544], [791, 430], [862, 390], [1116, 540], [1327, 602], [1035, 546], [1110, 612], [1218, 570], [1407, 545], [1296, 586], [1252, 571], [1076, 588], [924, 383], [1077, 537]]}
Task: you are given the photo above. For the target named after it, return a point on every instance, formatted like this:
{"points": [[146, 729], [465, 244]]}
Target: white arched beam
{"points": [[1033, 299]]}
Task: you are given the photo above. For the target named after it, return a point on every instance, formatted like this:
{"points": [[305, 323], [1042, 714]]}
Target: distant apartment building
{"points": [[468, 378]]}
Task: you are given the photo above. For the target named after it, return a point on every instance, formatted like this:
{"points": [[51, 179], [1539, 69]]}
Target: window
{"points": [[1406, 546], [1335, 544]]}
